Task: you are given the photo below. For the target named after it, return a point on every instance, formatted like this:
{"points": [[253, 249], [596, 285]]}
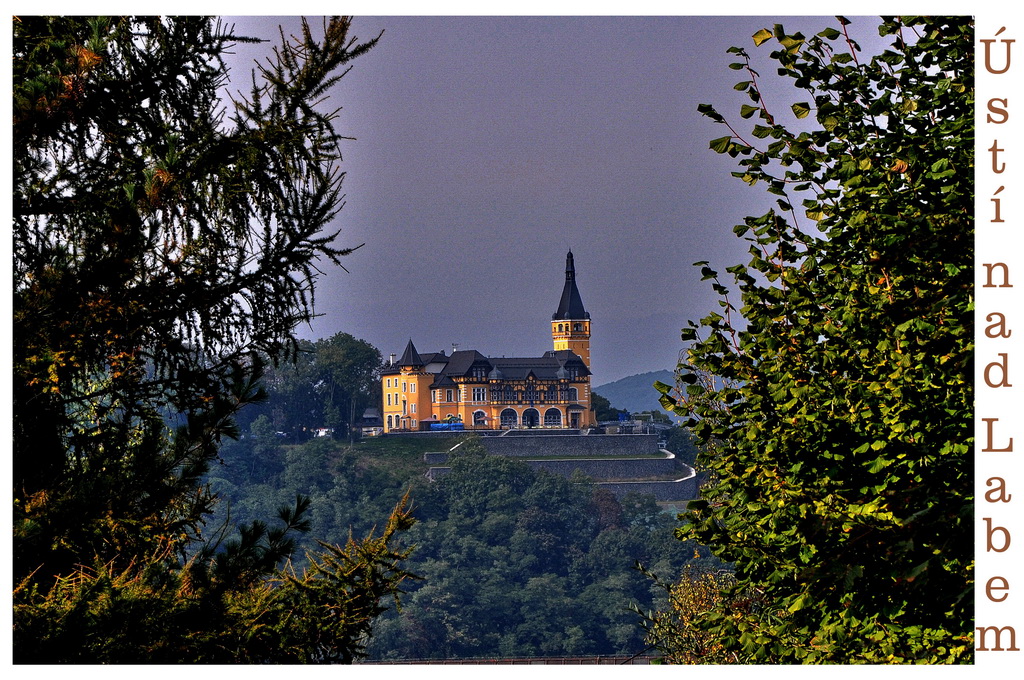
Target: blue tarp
{"points": [[446, 426]]}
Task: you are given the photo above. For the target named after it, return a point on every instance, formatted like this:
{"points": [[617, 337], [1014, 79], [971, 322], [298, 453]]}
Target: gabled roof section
{"points": [[571, 304], [461, 362], [568, 358], [546, 367], [434, 357], [443, 381], [410, 357]]}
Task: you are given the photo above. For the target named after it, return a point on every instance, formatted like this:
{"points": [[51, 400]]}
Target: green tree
{"points": [[680, 442], [835, 417], [329, 384], [347, 376], [675, 631], [162, 242], [603, 408], [293, 404], [219, 608]]}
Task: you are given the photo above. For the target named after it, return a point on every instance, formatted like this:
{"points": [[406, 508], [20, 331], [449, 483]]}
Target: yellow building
{"points": [[487, 393]]}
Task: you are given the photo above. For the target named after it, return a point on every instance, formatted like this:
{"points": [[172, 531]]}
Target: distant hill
{"points": [[636, 393]]}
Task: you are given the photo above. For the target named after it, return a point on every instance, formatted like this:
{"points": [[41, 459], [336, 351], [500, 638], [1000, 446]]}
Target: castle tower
{"points": [[406, 390], [570, 324]]}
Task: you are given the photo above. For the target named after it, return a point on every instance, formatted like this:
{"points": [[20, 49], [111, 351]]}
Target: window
{"points": [[388, 381], [448, 395], [412, 408], [433, 396], [403, 387], [389, 400], [573, 394], [552, 417], [479, 394], [577, 327], [509, 418], [389, 422], [412, 387], [479, 418]]}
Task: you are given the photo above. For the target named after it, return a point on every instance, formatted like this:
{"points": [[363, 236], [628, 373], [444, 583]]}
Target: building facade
{"points": [[487, 393]]}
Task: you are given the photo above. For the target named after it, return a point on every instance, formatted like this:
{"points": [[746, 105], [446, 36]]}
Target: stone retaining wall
{"points": [[618, 468], [586, 446], [595, 468], [600, 457], [669, 490], [682, 490]]}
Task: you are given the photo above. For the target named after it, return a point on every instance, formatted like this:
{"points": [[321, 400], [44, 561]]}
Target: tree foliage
{"points": [[220, 607], [833, 403], [330, 383], [163, 241], [675, 632], [604, 410], [519, 562]]}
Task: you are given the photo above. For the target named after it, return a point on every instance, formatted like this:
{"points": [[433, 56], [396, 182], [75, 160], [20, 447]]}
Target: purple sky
{"points": [[486, 147]]}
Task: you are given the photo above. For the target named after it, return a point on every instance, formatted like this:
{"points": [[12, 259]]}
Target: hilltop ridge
{"points": [[635, 393]]}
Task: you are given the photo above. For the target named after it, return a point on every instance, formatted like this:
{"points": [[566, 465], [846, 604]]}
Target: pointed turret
{"points": [[570, 324], [571, 304], [410, 357]]}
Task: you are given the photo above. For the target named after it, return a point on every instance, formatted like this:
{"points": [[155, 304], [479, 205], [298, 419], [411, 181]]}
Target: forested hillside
{"points": [[513, 561]]}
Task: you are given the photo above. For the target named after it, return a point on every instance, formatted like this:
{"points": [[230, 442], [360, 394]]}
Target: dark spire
{"points": [[571, 305], [410, 357]]}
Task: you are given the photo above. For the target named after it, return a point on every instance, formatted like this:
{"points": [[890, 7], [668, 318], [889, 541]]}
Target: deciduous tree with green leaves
{"points": [[833, 400], [163, 238]]}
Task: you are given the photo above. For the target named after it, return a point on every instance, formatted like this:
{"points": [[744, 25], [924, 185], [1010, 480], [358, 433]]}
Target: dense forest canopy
{"points": [[512, 561]]}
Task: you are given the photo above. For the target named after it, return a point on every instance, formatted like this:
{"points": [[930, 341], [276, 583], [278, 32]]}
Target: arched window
{"points": [[577, 327], [479, 418], [552, 418], [389, 422], [509, 418], [574, 394], [531, 417]]}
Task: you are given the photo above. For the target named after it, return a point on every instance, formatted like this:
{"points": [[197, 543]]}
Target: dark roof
{"points": [[461, 361], [410, 357], [433, 357], [371, 416], [551, 366], [571, 305], [546, 367]]}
